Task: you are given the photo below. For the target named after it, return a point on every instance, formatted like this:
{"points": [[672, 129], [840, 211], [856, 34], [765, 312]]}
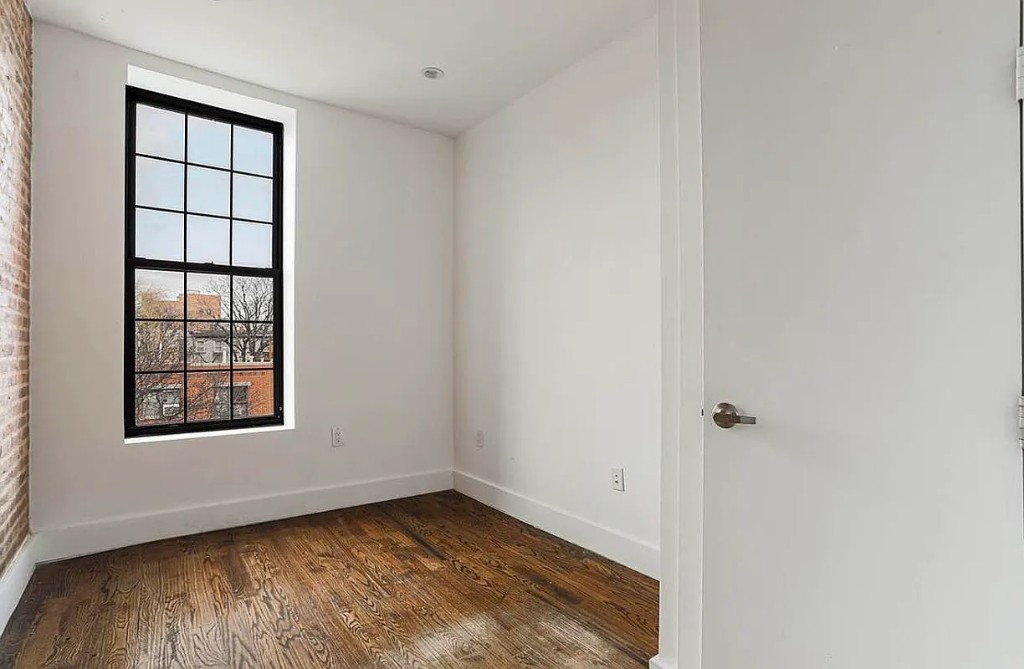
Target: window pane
{"points": [[209, 296], [254, 198], [254, 151], [253, 344], [208, 396], [253, 245], [158, 346], [209, 142], [209, 191], [159, 183], [209, 346], [254, 298], [158, 399], [158, 235], [209, 239], [159, 294], [159, 132], [253, 393]]}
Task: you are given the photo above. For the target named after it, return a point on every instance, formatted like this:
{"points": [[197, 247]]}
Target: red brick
{"points": [[15, 208]]}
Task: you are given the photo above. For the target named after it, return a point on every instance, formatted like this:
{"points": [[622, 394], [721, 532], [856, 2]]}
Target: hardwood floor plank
{"points": [[544, 577], [434, 581]]}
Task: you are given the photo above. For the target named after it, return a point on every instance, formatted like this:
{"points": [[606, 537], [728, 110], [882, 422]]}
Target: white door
{"points": [[862, 300]]}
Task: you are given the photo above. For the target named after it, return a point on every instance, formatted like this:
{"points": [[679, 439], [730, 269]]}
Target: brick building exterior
{"points": [[208, 350]]}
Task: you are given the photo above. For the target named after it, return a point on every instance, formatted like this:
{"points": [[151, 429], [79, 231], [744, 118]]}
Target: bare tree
{"points": [[159, 346], [163, 345], [251, 304]]}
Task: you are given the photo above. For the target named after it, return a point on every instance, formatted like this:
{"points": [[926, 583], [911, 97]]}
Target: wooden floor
{"points": [[432, 581]]}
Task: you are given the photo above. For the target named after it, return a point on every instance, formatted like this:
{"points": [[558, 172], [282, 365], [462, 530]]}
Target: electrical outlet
{"points": [[337, 437], [479, 438], [618, 482]]}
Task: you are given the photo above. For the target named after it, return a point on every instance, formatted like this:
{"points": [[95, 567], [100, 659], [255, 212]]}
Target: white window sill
{"points": [[207, 435]]}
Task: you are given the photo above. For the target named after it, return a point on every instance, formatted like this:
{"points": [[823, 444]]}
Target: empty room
{"points": [[679, 334]]}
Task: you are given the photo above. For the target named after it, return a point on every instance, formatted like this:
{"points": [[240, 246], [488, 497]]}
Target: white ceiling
{"points": [[366, 54]]}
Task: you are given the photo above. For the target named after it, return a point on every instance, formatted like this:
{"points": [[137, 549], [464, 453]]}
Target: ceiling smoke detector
{"points": [[433, 73]]}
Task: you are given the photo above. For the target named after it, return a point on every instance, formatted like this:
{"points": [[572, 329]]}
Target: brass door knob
{"points": [[726, 415]]}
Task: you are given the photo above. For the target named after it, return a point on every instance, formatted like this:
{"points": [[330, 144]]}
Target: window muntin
{"points": [[203, 271]]}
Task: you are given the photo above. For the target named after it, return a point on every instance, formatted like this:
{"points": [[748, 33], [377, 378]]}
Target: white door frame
{"points": [[682, 284]]}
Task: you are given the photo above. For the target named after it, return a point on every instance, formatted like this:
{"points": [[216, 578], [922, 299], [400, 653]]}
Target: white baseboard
{"points": [[64, 542], [15, 578], [658, 663], [612, 544]]}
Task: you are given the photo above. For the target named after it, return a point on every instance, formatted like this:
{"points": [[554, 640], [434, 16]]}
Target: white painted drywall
{"points": [[862, 297], [373, 306], [557, 297]]}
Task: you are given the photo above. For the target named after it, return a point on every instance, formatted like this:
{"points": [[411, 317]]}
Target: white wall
{"points": [[373, 311], [557, 303]]}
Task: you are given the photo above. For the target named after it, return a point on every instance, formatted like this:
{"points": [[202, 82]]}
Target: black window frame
{"points": [[133, 97]]}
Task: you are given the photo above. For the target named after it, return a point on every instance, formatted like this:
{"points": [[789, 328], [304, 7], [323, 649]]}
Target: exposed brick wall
{"points": [[15, 175]]}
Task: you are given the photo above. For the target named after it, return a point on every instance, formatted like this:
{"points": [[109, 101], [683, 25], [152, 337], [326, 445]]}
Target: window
{"points": [[203, 275], [158, 403], [238, 396]]}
